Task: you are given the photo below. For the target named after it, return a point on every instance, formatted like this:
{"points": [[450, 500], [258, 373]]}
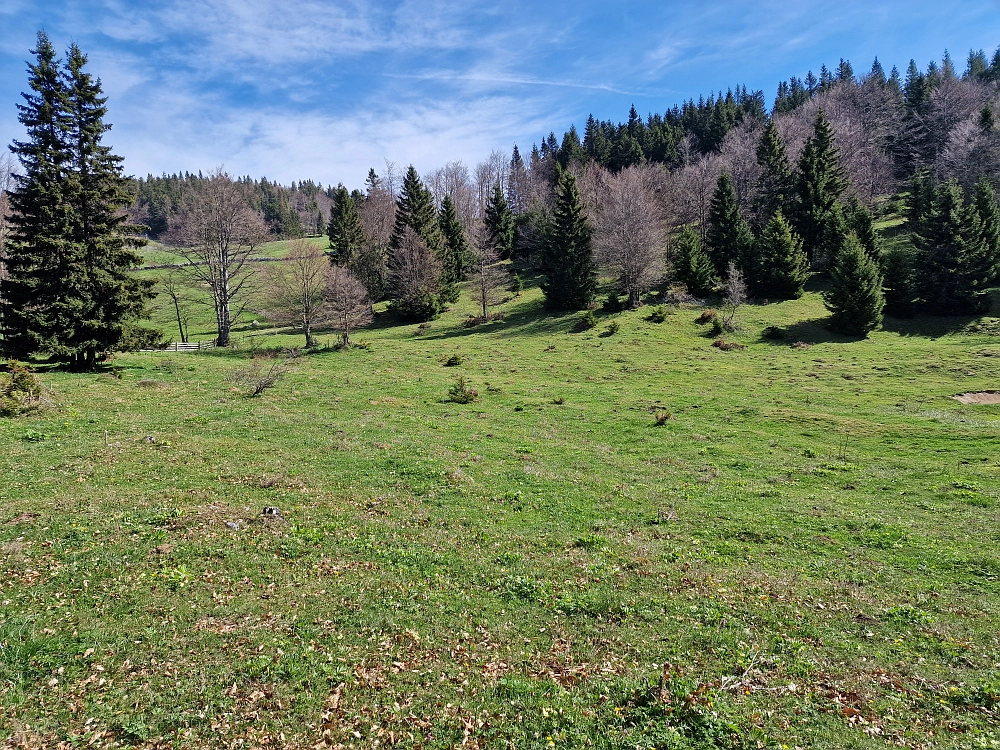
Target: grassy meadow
{"points": [[629, 540]]}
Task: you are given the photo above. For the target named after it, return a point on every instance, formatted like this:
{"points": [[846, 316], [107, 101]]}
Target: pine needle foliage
{"points": [[345, 230], [729, 238], [855, 299], [70, 292], [691, 264], [568, 266], [780, 268]]}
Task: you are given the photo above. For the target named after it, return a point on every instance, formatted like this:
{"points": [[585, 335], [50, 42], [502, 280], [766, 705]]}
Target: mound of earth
{"points": [[983, 397]]}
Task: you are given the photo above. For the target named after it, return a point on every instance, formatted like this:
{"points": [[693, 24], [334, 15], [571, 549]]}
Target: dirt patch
{"points": [[983, 397]]}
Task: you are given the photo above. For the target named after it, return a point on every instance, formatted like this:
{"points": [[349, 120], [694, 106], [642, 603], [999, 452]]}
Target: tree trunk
{"points": [[180, 322]]}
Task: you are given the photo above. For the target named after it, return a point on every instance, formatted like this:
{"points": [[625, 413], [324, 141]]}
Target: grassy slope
{"points": [[809, 542]]}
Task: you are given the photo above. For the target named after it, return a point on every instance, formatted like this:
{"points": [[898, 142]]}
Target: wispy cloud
{"points": [[327, 88]]}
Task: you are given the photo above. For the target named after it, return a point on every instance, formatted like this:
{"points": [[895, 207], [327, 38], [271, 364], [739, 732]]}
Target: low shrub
{"points": [[461, 393], [586, 322], [657, 315], [613, 303], [21, 393], [516, 286], [662, 417], [727, 346], [707, 316], [259, 375], [453, 361]]}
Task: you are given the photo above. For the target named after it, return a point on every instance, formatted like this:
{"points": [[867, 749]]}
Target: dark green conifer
{"points": [[457, 255], [821, 182], [70, 292], [43, 262], [950, 273], [500, 222], [855, 298], [692, 266], [858, 219], [779, 268], [984, 198], [729, 238], [345, 230], [567, 255], [415, 209], [100, 195], [776, 187]]}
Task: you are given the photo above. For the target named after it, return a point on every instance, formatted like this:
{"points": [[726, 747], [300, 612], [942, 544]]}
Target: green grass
{"points": [[803, 552]]}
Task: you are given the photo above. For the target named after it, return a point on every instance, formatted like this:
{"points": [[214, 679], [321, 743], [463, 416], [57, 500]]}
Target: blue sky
{"points": [[323, 89]]}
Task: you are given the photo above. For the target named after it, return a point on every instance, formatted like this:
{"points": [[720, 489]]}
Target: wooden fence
{"points": [[188, 346]]}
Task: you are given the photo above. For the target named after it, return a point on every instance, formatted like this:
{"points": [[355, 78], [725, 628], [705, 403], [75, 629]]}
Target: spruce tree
{"points": [[950, 274], [567, 257], [692, 266], [500, 222], [42, 260], [417, 217], [70, 291], [821, 182], [858, 219], [729, 238], [855, 298], [988, 211], [457, 257], [780, 267], [776, 187], [345, 230], [101, 228], [415, 209]]}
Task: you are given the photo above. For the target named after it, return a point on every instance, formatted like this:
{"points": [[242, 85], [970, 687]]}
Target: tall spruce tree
{"points": [[567, 256], [776, 186], [691, 265], [416, 225], [729, 237], [950, 270], [821, 182], [457, 258], [779, 268], [109, 240], [858, 219], [500, 222], [39, 310], [70, 292], [415, 209], [345, 230], [855, 298], [985, 200]]}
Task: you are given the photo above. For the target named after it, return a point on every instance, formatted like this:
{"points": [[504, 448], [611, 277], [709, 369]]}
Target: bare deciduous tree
{"points": [[453, 179], [295, 290], [734, 295], [8, 170], [630, 237], [347, 301], [493, 171], [219, 234], [490, 277], [173, 286]]}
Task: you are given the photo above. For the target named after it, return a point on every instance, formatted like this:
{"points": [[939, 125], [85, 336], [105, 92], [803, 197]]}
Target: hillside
{"points": [[801, 554]]}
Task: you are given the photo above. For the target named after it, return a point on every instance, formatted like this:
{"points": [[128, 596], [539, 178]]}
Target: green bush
{"points": [[585, 323], [461, 393]]}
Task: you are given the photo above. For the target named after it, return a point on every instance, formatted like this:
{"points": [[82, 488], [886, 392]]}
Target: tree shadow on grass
{"points": [[526, 319], [933, 326], [812, 331]]}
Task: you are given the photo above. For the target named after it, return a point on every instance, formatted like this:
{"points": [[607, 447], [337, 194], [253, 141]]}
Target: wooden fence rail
{"points": [[182, 346]]}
